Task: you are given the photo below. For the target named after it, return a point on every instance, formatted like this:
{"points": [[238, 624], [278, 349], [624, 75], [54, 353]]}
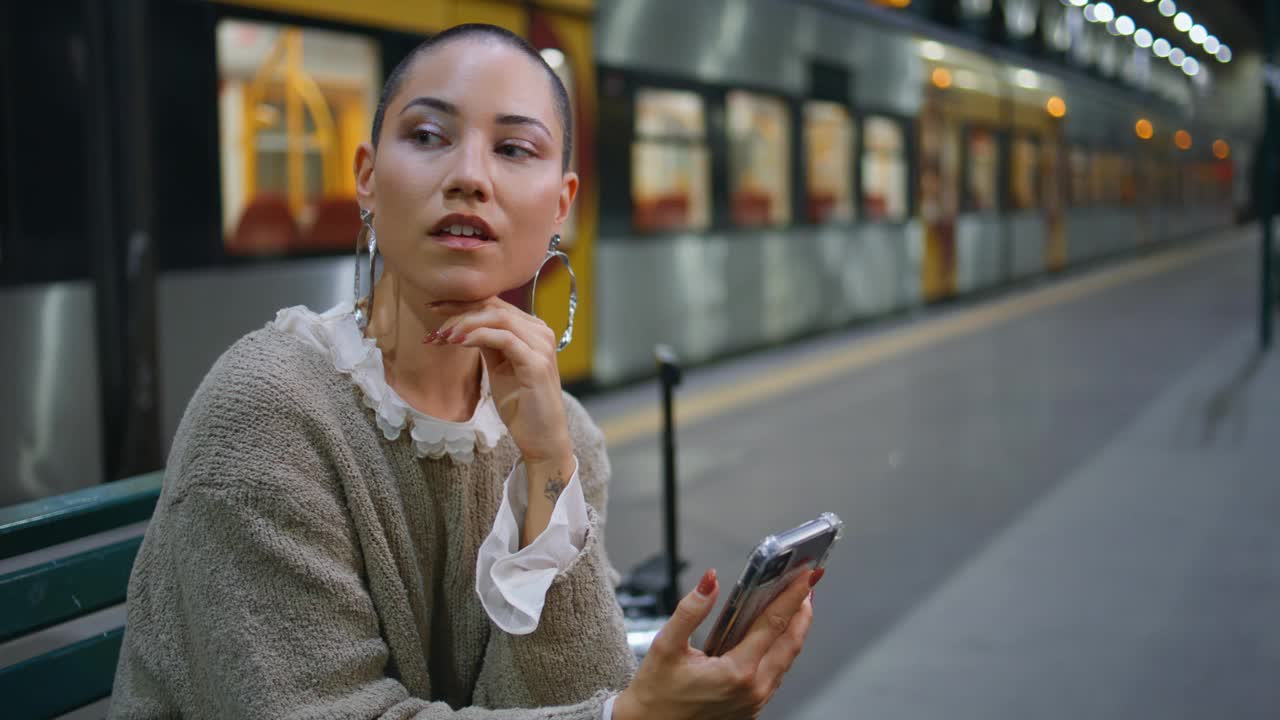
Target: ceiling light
{"points": [[1161, 47], [932, 50], [554, 57], [1142, 38], [1198, 34], [1104, 11], [1211, 44], [1091, 13], [1191, 66], [1177, 57], [1224, 54], [1183, 21], [1125, 25], [1167, 8], [1027, 79], [1079, 3]]}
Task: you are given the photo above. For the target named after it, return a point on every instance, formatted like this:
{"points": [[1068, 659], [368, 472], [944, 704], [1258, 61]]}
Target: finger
{"points": [[782, 655], [689, 614], [532, 331], [510, 345], [772, 623], [529, 328]]}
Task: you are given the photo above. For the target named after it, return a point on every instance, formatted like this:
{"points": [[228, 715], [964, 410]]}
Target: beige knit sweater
{"points": [[301, 565]]}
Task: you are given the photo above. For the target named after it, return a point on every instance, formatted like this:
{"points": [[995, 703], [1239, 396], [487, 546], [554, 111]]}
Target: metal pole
{"points": [[669, 376], [1267, 188]]}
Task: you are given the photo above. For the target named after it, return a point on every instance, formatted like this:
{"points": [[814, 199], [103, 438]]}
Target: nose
{"points": [[468, 177]]}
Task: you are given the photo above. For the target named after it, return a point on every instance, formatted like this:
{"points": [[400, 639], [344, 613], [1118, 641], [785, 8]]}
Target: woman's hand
{"points": [[677, 682], [520, 353]]}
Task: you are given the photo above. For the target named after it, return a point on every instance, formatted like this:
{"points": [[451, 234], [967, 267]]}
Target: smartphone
{"points": [[772, 566]]}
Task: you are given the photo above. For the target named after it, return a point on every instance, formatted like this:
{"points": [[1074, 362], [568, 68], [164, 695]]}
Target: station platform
{"points": [[1060, 502]]}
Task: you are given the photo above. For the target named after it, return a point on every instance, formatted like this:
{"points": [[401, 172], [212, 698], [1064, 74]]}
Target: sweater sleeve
{"points": [[580, 618], [278, 622], [512, 581]]}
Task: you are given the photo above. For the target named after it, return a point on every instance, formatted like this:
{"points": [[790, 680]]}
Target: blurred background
{"points": [[985, 277]]}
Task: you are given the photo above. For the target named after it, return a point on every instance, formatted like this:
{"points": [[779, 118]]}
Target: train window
{"points": [[759, 159], [1125, 180], [1080, 194], [828, 142], [1050, 178], [982, 186], [1024, 173], [884, 169], [293, 105], [1098, 178], [670, 162]]}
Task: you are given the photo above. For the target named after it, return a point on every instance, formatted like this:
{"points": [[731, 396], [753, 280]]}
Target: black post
{"points": [[1266, 193], [669, 376]]}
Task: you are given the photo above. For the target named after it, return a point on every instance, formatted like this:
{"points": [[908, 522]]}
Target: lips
{"points": [[463, 227]]}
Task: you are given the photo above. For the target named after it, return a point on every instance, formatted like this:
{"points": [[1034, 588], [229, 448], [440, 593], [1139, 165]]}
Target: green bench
{"points": [[61, 559]]}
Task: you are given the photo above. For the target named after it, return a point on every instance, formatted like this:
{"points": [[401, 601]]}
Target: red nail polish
{"points": [[816, 576], [431, 336], [443, 334], [707, 584], [459, 339]]}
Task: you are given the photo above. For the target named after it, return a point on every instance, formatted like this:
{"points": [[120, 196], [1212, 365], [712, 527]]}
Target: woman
{"points": [[335, 537]]}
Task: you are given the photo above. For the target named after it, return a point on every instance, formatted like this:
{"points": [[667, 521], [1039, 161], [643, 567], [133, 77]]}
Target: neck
{"points": [[442, 381]]}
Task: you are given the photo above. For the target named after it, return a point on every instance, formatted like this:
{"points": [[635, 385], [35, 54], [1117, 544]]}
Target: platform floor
{"points": [[1061, 502]]}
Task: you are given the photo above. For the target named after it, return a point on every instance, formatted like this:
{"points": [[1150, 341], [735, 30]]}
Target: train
{"points": [[754, 171]]}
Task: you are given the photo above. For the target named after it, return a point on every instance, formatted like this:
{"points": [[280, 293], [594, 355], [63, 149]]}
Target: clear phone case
{"points": [[770, 568]]}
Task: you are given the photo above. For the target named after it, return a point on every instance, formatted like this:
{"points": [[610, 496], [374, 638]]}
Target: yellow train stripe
{"points": [[713, 402]]}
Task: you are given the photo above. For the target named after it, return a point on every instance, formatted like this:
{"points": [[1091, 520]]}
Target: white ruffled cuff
{"points": [[511, 581]]}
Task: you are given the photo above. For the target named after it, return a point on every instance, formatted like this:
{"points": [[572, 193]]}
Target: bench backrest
{"points": [[65, 558]]}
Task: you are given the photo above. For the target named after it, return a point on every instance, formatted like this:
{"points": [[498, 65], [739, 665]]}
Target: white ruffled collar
{"points": [[335, 333]]}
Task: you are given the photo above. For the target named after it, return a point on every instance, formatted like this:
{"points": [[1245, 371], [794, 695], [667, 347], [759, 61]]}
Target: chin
{"points": [[464, 285]]}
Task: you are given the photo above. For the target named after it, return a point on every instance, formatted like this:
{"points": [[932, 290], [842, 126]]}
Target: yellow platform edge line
{"points": [[692, 409]]}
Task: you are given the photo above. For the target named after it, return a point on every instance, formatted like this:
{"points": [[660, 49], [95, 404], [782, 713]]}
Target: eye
{"points": [[512, 150], [426, 137]]}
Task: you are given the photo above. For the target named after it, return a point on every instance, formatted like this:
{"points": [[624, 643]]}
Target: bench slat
{"points": [[60, 590], [38, 524], [63, 680]]}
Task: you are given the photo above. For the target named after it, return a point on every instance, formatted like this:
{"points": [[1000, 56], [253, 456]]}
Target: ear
{"points": [[365, 185], [568, 191]]}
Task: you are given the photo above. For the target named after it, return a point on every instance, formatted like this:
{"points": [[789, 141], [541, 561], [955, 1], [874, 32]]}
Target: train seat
{"points": [[336, 224], [266, 227]]}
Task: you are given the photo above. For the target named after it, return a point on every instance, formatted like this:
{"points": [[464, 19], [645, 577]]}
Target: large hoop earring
{"points": [[554, 251], [364, 307]]}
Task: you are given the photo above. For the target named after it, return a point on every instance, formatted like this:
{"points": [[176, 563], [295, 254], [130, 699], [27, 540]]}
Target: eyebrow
{"points": [[447, 107]]}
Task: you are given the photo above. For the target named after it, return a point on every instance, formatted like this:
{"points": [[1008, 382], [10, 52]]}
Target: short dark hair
{"points": [[493, 32]]}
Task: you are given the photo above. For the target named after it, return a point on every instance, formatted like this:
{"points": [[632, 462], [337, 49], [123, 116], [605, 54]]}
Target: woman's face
{"points": [[466, 184]]}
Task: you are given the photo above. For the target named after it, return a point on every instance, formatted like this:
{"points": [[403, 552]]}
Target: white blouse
{"points": [[511, 581]]}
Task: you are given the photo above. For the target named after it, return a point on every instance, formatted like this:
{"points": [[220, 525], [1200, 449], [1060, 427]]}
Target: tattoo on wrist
{"points": [[552, 491]]}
